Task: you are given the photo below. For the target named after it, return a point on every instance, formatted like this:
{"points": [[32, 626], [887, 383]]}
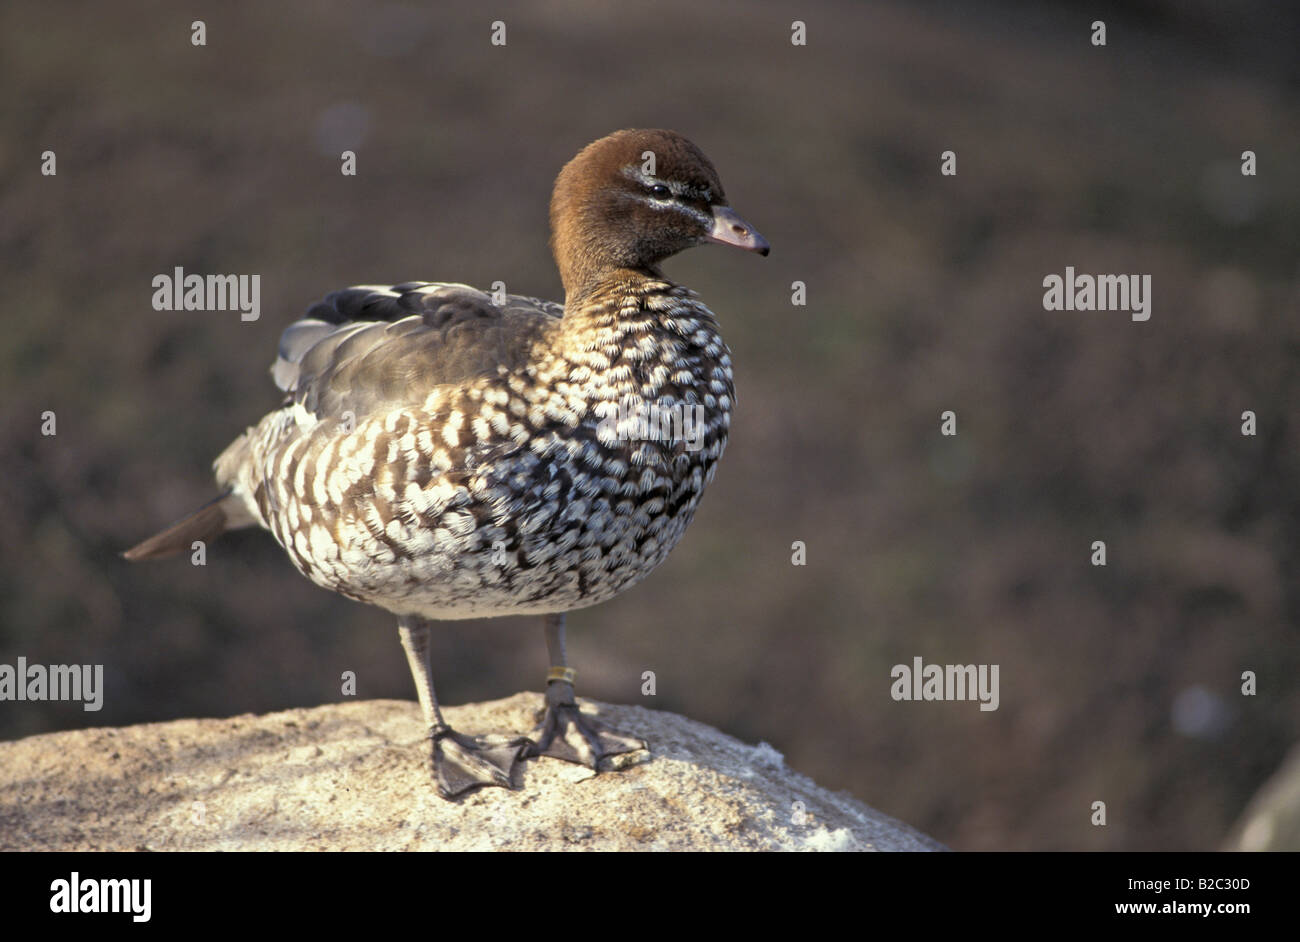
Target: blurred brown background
{"points": [[1118, 684]]}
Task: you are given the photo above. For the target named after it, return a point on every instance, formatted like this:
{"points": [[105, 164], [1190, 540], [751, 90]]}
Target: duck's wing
{"points": [[364, 351], [369, 347]]}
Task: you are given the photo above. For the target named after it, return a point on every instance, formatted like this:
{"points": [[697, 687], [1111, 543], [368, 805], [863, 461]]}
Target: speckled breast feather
{"points": [[485, 484]]}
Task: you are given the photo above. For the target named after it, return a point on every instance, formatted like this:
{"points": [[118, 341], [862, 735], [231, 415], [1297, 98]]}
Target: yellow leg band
{"points": [[566, 674]]}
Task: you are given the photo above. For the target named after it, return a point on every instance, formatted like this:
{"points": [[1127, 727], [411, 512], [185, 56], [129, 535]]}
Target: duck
{"points": [[442, 452]]}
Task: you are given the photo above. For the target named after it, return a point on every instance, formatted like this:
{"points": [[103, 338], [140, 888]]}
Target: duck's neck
{"points": [[643, 316], [635, 335], [583, 283]]}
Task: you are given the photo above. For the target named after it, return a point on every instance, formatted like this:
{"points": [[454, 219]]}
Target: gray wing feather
{"points": [[410, 338], [297, 339]]}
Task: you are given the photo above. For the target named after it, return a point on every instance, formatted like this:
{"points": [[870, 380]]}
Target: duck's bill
{"points": [[730, 229]]}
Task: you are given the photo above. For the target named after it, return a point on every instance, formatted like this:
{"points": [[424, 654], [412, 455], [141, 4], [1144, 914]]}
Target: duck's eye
{"points": [[660, 192]]}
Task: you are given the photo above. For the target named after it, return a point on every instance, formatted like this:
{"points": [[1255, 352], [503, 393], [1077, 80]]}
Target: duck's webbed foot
{"points": [[461, 762], [569, 734]]}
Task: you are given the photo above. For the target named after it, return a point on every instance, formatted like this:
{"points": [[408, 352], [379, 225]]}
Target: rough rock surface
{"points": [[354, 776], [1272, 819]]}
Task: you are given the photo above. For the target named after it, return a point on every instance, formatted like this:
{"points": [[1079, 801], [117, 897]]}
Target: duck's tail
{"points": [[206, 524]]}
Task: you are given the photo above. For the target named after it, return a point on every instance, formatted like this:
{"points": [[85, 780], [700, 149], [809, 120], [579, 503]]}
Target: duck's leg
{"points": [[459, 762], [565, 732]]}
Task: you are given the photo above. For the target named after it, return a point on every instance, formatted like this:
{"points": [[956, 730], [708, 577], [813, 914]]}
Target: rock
{"points": [[354, 776], [1272, 819]]}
